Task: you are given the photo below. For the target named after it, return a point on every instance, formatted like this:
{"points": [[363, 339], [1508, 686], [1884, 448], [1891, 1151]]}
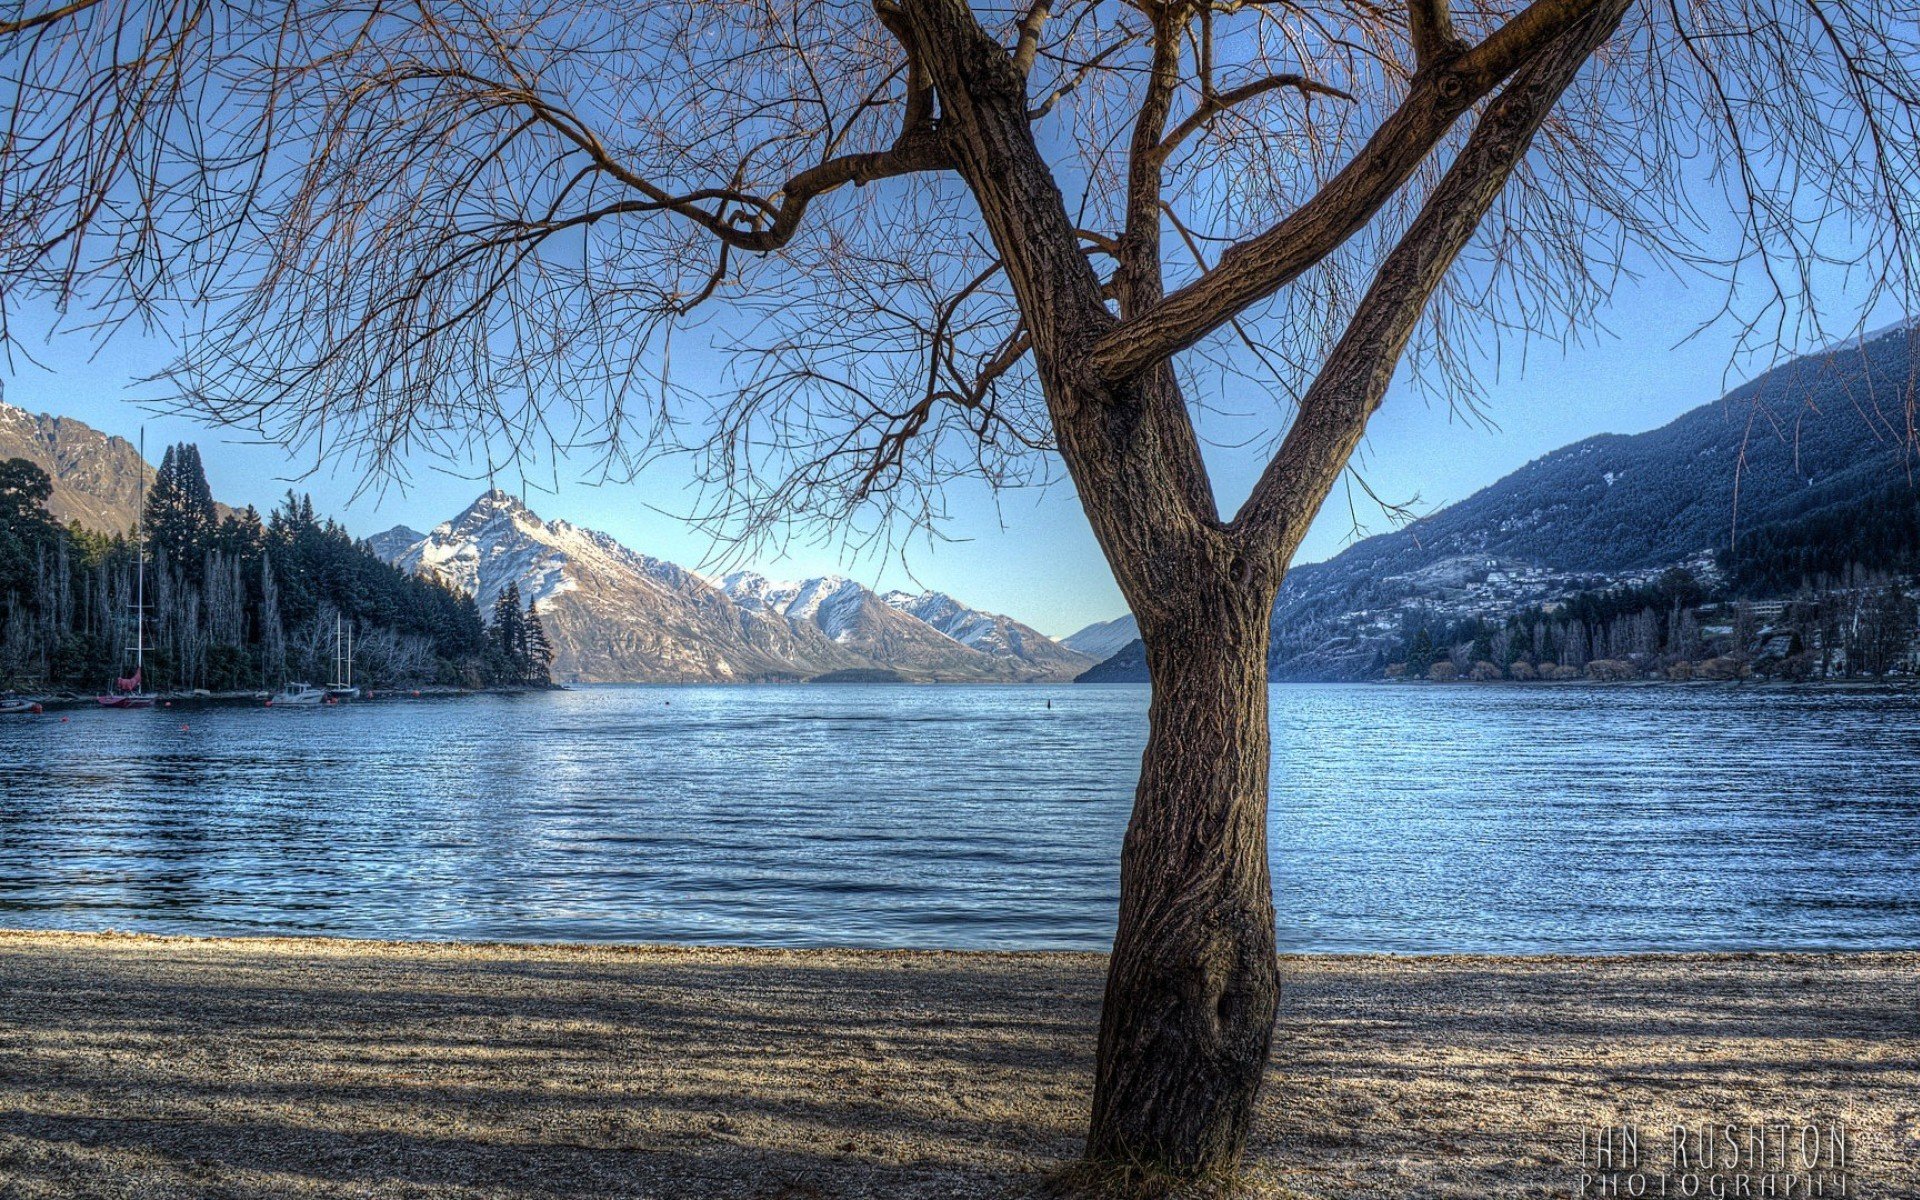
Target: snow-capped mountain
{"points": [[615, 615], [611, 614], [893, 635], [989, 633], [395, 542], [1103, 638]]}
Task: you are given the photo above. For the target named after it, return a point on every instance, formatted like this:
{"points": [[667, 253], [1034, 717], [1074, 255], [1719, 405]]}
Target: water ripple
{"points": [[1403, 818]]}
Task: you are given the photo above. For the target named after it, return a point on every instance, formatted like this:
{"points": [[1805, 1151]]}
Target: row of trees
{"points": [[517, 646], [232, 601], [1858, 622]]}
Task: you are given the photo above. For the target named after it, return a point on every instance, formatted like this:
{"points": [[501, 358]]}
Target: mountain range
{"points": [[615, 615], [1811, 438], [612, 614]]}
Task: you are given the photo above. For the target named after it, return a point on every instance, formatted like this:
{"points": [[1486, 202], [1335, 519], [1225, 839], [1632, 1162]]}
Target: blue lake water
{"points": [[1550, 818]]}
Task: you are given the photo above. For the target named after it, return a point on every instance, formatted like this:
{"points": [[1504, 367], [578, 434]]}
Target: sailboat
{"points": [[342, 687], [129, 691]]}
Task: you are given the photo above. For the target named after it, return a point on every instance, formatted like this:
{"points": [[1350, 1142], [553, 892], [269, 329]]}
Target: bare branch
{"points": [[1028, 46], [1262, 264], [1219, 102], [60, 13], [1333, 414]]}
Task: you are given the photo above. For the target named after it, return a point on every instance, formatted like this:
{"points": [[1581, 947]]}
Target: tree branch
{"points": [[22, 24], [1028, 47], [919, 114], [1219, 102], [1140, 278], [1431, 24], [1268, 261], [919, 148], [1066, 86], [1333, 414]]}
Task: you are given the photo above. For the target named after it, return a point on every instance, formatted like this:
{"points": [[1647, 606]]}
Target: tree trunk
{"points": [[1193, 985]]}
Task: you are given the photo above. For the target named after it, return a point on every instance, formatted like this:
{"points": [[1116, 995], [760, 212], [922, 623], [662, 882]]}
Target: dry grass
{"points": [[144, 1067]]}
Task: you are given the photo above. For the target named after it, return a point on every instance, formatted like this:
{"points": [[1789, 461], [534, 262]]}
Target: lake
{"points": [[1409, 818]]}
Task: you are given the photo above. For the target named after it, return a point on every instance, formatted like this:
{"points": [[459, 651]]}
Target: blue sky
{"points": [[1030, 555]]}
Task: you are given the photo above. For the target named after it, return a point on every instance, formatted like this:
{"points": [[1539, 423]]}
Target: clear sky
{"points": [[1033, 558]]}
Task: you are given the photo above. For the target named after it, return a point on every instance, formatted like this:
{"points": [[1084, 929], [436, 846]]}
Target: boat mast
{"points": [[140, 557]]}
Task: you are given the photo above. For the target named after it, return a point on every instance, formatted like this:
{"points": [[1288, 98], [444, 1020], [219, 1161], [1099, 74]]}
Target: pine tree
{"points": [[539, 650], [179, 518], [508, 635]]}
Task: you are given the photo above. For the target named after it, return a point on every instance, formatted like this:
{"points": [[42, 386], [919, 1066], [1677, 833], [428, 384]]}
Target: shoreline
{"points": [[305, 1067], [348, 942], [69, 700], [57, 701]]}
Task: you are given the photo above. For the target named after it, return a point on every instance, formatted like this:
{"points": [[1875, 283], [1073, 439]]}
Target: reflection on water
{"points": [[1404, 818]]}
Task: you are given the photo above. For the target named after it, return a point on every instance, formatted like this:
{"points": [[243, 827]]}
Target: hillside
{"points": [[1811, 437], [96, 478]]}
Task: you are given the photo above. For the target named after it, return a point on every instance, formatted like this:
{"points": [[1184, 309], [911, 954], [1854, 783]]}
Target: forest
{"points": [[232, 602], [1850, 622]]}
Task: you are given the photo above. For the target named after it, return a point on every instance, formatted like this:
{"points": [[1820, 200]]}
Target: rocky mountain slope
{"points": [[96, 478], [614, 615], [1798, 440]]}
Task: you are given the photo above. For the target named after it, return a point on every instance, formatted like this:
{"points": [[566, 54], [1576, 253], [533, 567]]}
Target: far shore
{"points": [[66, 700], [69, 700], [275, 1067]]}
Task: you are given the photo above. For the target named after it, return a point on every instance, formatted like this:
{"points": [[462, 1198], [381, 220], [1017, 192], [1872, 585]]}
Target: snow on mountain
{"points": [[615, 615], [1103, 638], [990, 633], [611, 614], [832, 603], [899, 636]]}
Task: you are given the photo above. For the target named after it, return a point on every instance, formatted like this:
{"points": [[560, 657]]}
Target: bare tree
{"points": [[944, 240]]}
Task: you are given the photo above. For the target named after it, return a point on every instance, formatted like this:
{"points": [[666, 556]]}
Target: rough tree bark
{"points": [[1193, 985]]}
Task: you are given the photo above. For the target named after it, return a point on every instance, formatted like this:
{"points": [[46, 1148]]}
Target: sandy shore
{"points": [[144, 1067]]}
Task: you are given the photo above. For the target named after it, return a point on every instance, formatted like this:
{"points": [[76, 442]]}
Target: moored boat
{"points": [[297, 695], [128, 690], [342, 687]]}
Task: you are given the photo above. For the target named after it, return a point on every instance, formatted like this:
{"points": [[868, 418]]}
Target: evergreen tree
{"points": [[539, 650], [26, 531], [179, 518], [508, 636]]}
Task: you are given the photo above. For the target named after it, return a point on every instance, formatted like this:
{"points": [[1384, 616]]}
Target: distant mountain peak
{"points": [[393, 543], [495, 504], [1103, 638], [1907, 325]]}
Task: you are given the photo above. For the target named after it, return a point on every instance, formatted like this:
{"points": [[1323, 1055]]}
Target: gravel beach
{"points": [[177, 1067]]}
